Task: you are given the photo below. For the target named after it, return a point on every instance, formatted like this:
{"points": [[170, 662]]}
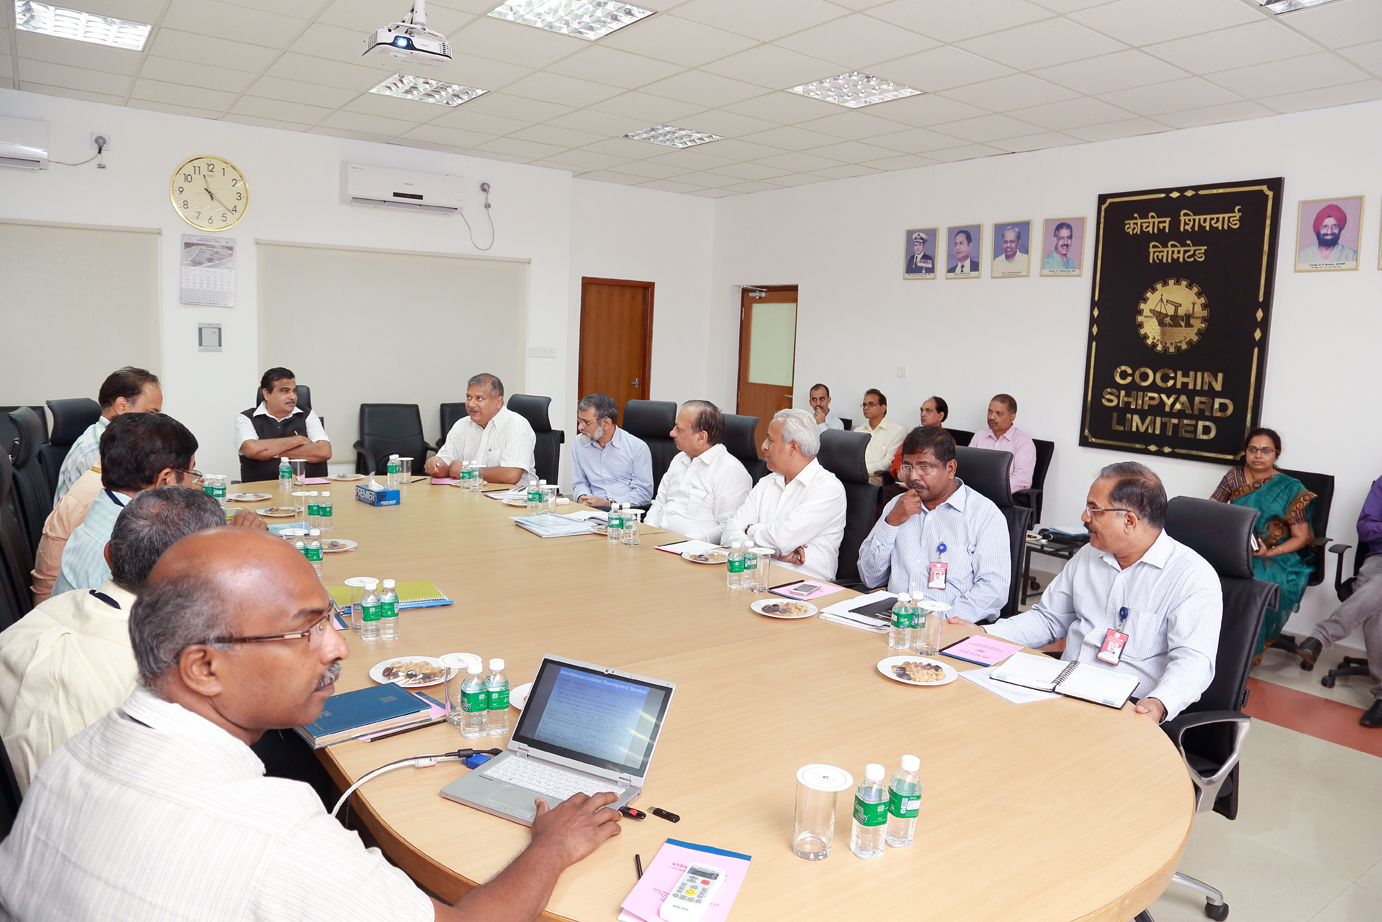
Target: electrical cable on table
{"points": [[415, 761]]}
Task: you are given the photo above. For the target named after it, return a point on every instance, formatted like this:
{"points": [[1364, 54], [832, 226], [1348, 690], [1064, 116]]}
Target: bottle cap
{"points": [[904, 597], [326, 493], [313, 493], [388, 583], [542, 483], [472, 668], [496, 665], [393, 457], [873, 772], [316, 533], [911, 764]]}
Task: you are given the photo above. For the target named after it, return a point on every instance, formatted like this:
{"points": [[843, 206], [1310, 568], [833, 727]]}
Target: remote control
{"points": [[690, 897]]}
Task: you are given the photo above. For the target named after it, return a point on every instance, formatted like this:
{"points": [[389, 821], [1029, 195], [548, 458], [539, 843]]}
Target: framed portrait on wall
{"points": [[965, 250], [1327, 233], [1062, 247], [919, 261], [1012, 242]]}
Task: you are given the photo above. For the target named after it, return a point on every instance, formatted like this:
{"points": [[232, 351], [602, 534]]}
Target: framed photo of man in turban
{"points": [[1327, 234]]}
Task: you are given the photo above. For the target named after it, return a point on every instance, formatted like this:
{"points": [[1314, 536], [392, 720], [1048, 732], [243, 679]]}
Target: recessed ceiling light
{"points": [[672, 137], [424, 89], [1286, 6], [587, 19], [82, 27], [854, 90]]}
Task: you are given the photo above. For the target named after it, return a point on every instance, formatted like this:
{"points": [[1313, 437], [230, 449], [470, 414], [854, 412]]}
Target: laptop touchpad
{"points": [[515, 800]]}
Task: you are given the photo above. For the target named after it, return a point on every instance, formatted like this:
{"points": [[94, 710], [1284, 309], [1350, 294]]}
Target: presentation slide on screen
{"points": [[593, 714]]}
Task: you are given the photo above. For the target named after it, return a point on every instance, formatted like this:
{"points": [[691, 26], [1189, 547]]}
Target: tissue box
{"points": [[383, 496]]}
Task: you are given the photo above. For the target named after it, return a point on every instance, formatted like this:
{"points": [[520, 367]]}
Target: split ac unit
{"points": [[23, 143], [440, 193]]}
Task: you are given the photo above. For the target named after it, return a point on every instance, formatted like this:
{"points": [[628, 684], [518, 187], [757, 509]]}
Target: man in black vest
{"points": [[277, 429]]}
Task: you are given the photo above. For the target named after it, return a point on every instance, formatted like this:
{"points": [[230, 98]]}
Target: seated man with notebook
{"points": [[161, 809], [1134, 599]]}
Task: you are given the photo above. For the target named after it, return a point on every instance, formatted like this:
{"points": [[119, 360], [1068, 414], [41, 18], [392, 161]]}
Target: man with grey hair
{"points": [[608, 464], [1134, 598], [68, 661], [161, 809], [491, 434], [704, 484], [798, 510]]}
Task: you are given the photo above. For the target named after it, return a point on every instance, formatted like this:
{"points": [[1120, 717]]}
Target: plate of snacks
{"points": [[278, 512], [346, 478], [773, 608], [713, 556], [410, 671], [248, 497], [336, 545], [911, 669]]}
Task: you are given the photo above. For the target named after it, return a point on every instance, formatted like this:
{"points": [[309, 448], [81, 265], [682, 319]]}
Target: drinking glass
{"points": [[814, 828], [631, 517]]}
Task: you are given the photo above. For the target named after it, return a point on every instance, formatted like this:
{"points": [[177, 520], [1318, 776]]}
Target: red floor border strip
{"points": [[1331, 721]]}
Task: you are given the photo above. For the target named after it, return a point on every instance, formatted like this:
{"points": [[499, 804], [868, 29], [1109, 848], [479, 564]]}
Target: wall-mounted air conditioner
{"points": [[388, 188], [23, 143]]}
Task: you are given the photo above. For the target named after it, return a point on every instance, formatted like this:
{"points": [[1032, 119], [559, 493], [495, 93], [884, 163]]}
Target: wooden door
{"points": [[767, 354], [616, 339]]}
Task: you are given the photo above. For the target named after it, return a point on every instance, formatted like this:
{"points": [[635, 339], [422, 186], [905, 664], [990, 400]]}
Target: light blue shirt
{"points": [[81, 457], [84, 558], [621, 472], [977, 554]]}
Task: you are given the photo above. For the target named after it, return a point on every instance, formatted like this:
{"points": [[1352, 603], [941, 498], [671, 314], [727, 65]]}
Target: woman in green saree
{"points": [[1283, 525]]}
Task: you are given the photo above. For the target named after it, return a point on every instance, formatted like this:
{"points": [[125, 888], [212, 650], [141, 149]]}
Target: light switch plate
{"points": [[208, 337], [541, 352]]}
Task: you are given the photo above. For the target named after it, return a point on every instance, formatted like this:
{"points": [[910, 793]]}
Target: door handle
{"points": [[635, 382]]}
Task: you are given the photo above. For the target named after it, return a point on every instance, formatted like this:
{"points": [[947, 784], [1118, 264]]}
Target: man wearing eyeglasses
{"points": [[940, 540], [161, 809], [1134, 599], [884, 434], [608, 464]]}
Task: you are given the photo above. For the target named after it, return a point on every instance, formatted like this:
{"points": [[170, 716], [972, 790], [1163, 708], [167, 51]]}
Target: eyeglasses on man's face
{"points": [[868, 406], [925, 468], [313, 633], [197, 478], [1093, 510]]}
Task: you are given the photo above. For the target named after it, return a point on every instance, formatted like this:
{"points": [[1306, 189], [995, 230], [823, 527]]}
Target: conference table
{"points": [[1054, 810]]}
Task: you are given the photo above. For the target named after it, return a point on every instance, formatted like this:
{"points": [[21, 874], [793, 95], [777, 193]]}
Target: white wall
{"points": [[841, 242]]}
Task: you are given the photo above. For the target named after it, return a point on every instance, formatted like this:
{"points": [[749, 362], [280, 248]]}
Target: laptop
{"points": [[585, 728]]}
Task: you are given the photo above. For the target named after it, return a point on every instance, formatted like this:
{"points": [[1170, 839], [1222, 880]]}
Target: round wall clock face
{"points": [[209, 193]]}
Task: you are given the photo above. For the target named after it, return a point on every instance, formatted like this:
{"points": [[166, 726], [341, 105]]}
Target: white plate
{"points": [[336, 545], [277, 512], [377, 671], [885, 666], [763, 603], [515, 501], [346, 477], [691, 556], [518, 697], [248, 497]]}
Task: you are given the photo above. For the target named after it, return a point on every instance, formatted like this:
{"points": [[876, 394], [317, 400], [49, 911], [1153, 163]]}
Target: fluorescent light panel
{"points": [[587, 19], [79, 26], [853, 90], [1286, 6], [668, 136], [425, 89]]}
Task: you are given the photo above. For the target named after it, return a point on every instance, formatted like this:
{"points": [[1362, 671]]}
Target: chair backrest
{"points": [[304, 398], [71, 417], [33, 497], [451, 414], [847, 423], [547, 450], [987, 472], [1044, 451], [962, 437], [739, 442], [1322, 485], [389, 429], [652, 421], [842, 454], [16, 560]]}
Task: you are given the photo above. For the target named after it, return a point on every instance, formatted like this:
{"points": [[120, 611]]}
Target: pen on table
{"points": [[669, 817], [416, 479], [408, 729], [638, 866], [790, 582]]}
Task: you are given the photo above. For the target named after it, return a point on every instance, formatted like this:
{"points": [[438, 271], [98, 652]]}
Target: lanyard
{"points": [[115, 499], [107, 599], [1122, 617]]}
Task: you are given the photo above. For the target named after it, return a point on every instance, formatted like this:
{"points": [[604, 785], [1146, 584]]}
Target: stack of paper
{"points": [[872, 612], [690, 545], [552, 526], [518, 492]]}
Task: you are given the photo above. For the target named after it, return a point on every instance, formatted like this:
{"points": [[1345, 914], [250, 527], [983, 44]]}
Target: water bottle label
{"points": [[474, 701], [499, 699], [388, 609], [736, 565], [313, 554], [901, 619], [219, 491], [902, 806], [867, 814], [371, 612], [393, 466], [750, 562], [324, 510], [467, 473], [313, 509], [616, 521]]}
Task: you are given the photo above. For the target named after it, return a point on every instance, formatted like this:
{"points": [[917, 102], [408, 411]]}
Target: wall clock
{"points": [[209, 193]]}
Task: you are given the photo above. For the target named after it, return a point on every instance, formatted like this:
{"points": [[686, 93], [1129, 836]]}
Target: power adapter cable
{"points": [[100, 149], [484, 187], [426, 761]]}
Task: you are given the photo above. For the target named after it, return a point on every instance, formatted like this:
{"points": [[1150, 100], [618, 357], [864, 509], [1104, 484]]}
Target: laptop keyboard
{"points": [[557, 784]]}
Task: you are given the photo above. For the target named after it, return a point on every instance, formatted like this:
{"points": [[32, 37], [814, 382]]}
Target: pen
{"points": [[790, 582], [408, 729], [638, 866], [670, 817]]}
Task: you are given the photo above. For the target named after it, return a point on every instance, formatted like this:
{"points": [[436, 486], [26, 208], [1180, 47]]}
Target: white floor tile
{"points": [[1372, 879], [1263, 737], [1356, 904], [1335, 834], [1323, 767]]}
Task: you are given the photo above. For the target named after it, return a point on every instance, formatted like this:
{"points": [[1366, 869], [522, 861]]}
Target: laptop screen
{"points": [[604, 719]]}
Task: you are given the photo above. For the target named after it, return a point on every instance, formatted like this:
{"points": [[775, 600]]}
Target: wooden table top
{"points": [[1056, 810]]}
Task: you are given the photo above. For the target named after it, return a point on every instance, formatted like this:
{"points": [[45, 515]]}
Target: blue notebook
{"points": [[366, 710]]}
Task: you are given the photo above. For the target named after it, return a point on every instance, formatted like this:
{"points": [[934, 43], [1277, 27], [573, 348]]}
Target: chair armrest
{"points": [[363, 454], [1339, 566], [1319, 542], [1026, 498], [1207, 787]]}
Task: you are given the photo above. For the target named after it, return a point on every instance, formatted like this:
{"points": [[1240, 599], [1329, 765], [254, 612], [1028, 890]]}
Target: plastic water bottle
{"points": [[542, 507], [474, 703], [497, 687], [285, 475], [904, 802], [900, 629], [314, 510], [534, 498], [314, 550], [324, 511], [870, 814], [748, 576], [392, 471], [734, 567], [475, 481], [614, 524], [388, 611], [370, 613]]}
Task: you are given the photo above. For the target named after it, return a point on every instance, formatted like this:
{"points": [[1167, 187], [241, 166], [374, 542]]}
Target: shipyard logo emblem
{"points": [[1172, 316]]}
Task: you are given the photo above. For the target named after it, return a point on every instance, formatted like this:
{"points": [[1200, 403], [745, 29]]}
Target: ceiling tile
{"points": [[604, 124], [692, 158], [1105, 73], [1339, 25], [585, 160], [607, 176], [508, 41], [293, 66], [1074, 113], [680, 41], [1213, 115], [1367, 56], [1140, 23], [790, 138], [857, 42], [182, 95], [74, 54], [728, 124], [947, 21], [763, 20], [798, 161], [772, 67], [425, 145], [988, 128], [1069, 6], [1170, 97], [623, 147], [941, 69], [192, 46], [68, 92], [853, 152], [1131, 128], [557, 88], [1292, 75], [74, 78], [917, 141], [1043, 44], [1241, 46], [925, 110], [135, 10], [648, 170], [413, 111], [479, 7], [845, 172], [797, 179], [710, 91], [296, 91], [467, 119], [669, 185], [5, 71], [507, 105], [236, 23], [1362, 91], [299, 9], [735, 149], [783, 108], [747, 187], [708, 180], [451, 137], [904, 162], [744, 171], [853, 125], [651, 110], [367, 124], [969, 152], [561, 137], [614, 67], [365, 16], [714, 193], [216, 78], [1043, 141], [483, 73], [334, 42], [350, 134], [173, 109], [1015, 91]]}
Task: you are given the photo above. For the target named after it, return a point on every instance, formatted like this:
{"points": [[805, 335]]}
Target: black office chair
{"points": [[547, 450], [652, 421], [847, 423], [33, 497], [9, 432], [962, 437], [1210, 732], [10, 797], [16, 560], [740, 442], [1031, 497], [987, 473], [304, 399], [842, 454], [1322, 485], [389, 429], [451, 414], [71, 417], [1343, 588]]}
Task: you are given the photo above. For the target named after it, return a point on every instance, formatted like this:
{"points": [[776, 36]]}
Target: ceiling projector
{"points": [[408, 42]]}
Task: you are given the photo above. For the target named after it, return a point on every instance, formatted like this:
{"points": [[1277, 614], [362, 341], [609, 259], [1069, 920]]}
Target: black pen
{"points": [[638, 866], [408, 729]]}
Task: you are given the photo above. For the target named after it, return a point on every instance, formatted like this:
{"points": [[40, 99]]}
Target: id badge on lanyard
{"points": [[1115, 640], [935, 574]]}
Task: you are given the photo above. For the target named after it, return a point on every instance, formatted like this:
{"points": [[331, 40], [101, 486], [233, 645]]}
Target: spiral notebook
{"points": [[1077, 680], [419, 593]]}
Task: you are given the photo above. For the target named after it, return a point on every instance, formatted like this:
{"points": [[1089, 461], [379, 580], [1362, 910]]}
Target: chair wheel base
{"points": [[1327, 681], [1218, 913], [1308, 667]]}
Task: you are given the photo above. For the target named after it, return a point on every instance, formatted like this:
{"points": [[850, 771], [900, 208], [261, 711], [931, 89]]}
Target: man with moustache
{"points": [[608, 464], [1058, 260], [704, 484], [1330, 222], [963, 265], [1002, 435], [919, 263], [1011, 262], [820, 408], [491, 433]]}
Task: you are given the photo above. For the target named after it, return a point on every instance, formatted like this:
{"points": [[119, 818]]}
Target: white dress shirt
{"points": [[831, 422], [620, 471], [154, 813], [62, 666], [244, 427], [977, 555], [507, 441], [698, 495], [783, 516], [1175, 605], [883, 441]]}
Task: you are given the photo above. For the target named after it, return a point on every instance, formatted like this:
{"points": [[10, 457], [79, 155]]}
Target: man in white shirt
{"points": [[1136, 587], [68, 661], [884, 435], [704, 484], [160, 810], [608, 464], [127, 390], [1011, 262], [278, 429], [798, 510], [1002, 435], [820, 407], [500, 439]]}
